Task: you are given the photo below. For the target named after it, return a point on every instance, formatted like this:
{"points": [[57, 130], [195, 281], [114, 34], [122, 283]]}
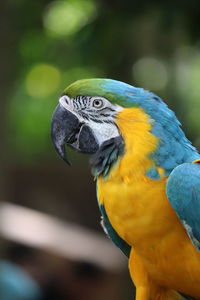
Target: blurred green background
{"points": [[46, 45]]}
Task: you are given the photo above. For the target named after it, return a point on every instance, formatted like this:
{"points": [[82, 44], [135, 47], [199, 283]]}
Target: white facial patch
{"points": [[102, 130]]}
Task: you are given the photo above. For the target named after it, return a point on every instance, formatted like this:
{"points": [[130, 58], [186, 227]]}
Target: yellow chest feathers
{"points": [[138, 209], [127, 194], [135, 128]]}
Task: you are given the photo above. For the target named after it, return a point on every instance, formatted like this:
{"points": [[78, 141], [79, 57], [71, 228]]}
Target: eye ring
{"points": [[98, 103]]}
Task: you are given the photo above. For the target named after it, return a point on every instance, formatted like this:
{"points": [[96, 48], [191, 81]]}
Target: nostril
{"points": [[64, 100]]}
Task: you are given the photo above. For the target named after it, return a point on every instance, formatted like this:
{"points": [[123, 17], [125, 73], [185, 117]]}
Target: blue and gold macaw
{"points": [[148, 180]]}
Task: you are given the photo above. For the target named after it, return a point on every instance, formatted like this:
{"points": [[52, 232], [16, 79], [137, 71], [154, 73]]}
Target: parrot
{"points": [[148, 180]]}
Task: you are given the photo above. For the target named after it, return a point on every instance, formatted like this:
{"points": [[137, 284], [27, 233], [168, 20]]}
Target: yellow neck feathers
{"points": [[135, 127]]}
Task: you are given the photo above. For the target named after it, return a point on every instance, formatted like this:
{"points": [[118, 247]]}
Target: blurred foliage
{"points": [[149, 43]]}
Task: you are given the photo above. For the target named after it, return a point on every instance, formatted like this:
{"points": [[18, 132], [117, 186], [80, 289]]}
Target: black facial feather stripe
{"points": [[106, 109], [101, 116], [108, 121], [76, 105], [101, 110], [97, 120], [85, 116], [81, 102], [101, 120], [84, 98], [105, 115]]}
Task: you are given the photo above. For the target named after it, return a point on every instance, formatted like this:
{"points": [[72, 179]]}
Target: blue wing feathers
{"points": [[183, 192], [116, 239]]}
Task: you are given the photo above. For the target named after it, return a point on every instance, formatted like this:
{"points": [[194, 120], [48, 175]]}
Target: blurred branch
{"points": [[45, 232]]}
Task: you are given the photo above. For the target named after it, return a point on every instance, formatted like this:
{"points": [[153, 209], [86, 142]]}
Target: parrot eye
{"points": [[97, 103]]}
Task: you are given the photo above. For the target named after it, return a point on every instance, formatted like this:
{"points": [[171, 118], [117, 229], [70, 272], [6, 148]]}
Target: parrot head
{"points": [[85, 116], [86, 120]]}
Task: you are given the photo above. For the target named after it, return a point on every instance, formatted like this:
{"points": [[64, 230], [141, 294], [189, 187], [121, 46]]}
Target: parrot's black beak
{"points": [[66, 128], [64, 125]]}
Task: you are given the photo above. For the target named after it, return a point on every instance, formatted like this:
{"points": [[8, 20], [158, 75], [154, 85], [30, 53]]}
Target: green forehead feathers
{"points": [[106, 88]]}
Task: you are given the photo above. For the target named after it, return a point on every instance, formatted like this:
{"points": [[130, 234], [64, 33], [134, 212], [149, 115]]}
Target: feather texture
{"points": [[183, 192]]}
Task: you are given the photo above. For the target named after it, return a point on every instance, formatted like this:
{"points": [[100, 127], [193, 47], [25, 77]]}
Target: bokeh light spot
{"points": [[42, 80], [187, 76], [188, 73], [63, 18], [150, 73]]}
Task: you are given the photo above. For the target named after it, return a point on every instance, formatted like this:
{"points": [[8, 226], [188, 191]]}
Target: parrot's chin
{"points": [[67, 129]]}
